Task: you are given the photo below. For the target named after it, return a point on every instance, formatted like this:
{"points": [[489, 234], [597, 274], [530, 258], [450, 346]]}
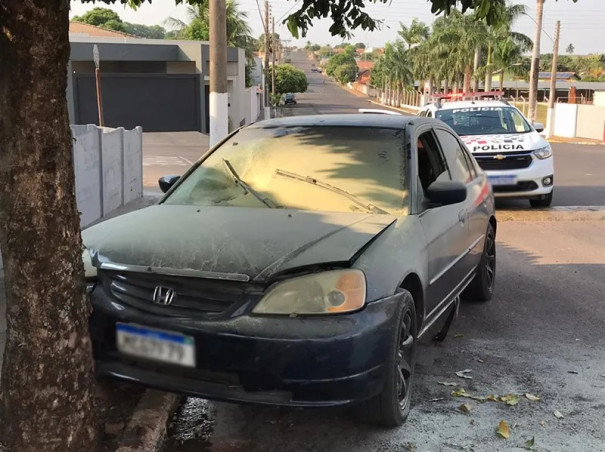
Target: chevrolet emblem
{"points": [[499, 157]]}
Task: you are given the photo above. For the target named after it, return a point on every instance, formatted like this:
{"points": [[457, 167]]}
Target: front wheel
{"points": [[391, 407], [543, 201], [481, 287]]}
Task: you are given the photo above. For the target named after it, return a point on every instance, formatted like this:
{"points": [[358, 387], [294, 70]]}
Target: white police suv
{"points": [[517, 159]]}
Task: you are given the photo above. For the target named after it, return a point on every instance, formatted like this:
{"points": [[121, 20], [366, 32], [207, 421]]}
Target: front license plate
{"points": [[164, 346], [502, 180]]}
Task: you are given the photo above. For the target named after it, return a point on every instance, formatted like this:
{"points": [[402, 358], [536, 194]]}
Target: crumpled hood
{"points": [[241, 242], [505, 142]]}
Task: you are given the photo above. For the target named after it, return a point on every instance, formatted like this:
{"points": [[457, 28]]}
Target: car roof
{"points": [[471, 104], [350, 120]]}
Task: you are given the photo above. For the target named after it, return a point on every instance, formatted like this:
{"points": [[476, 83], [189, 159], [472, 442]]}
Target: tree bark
{"points": [[467, 79], [47, 373], [476, 64]]}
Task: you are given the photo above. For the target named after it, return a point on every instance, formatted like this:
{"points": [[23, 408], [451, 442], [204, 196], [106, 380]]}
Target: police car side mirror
{"points": [[539, 127]]}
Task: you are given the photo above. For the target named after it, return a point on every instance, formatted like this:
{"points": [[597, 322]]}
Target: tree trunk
{"points": [[446, 86], [47, 373], [502, 80], [476, 64], [467, 79], [488, 69]]}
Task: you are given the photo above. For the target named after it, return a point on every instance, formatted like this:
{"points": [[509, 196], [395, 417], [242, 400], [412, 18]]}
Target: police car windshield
{"points": [[484, 120]]}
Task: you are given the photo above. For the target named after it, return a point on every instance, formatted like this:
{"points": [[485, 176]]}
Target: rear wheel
{"points": [[391, 407], [481, 287], [543, 201]]}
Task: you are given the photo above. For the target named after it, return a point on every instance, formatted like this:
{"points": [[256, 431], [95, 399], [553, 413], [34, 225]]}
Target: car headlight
{"points": [[90, 271], [543, 153], [328, 292]]}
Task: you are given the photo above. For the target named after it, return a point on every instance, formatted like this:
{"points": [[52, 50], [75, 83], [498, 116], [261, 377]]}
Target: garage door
{"points": [[156, 102]]}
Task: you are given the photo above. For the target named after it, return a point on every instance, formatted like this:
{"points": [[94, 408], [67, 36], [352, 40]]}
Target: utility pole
{"points": [[273, 50], [219, 99], [553, 83], [535, 64], [97, 60], [266, 71]]}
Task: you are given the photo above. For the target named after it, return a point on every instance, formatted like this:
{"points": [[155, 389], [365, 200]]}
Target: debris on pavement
{"points": [[503, 430], [463, 374]]}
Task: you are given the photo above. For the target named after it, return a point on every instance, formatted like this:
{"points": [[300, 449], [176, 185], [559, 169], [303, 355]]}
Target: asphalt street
{"points": [[541, 335]]}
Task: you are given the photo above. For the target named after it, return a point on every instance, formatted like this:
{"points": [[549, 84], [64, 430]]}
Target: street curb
{"points": [[575, 213], [582, 143], [147, 427]]}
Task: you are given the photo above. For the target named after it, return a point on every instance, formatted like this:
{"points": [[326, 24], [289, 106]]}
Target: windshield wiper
{"points": [[246, 187], [311, 180]]}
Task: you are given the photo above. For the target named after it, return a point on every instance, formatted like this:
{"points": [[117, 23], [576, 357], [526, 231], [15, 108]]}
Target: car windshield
{"points": [[323, 168], [484, 120]]}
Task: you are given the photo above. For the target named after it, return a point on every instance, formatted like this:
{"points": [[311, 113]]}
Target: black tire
{"points": [[391, 407], [544, 201], [481, 287]]}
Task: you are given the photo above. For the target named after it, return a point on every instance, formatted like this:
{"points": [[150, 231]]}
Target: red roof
{"points": [[364, 65]]}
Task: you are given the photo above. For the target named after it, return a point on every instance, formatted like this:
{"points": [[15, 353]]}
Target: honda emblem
{"points": [[163, 295]]}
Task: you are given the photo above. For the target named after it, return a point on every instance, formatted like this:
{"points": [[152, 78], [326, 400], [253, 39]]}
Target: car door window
{"points": [[459, 166], [431, 163]]}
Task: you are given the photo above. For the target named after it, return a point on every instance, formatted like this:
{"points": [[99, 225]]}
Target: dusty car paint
{"points": [[139, 239]]}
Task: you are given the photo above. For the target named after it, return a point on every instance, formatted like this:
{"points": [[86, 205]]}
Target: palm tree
{"points": [[415, 34], [460, 35], [198, 28], [500, 33]]}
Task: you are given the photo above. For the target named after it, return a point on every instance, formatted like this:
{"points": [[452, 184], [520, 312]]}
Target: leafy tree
{"points": [[570, 49], [99, 17], [360, 45], [145, 31], [339, 60], [346, 72], [289, 79]]}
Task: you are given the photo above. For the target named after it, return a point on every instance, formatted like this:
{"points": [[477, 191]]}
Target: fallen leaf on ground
{"points": [[503, 430], [458, 336], [461, 392], [465, 408], [532, 397], [480, 360], [510, 399], [447, 383], [463, 374], [558, 414], [529, 444], [492, 398], [544, 423]]}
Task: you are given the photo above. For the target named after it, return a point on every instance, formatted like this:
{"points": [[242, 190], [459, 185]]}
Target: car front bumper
{"points": [[530, 180], [298, 361]]}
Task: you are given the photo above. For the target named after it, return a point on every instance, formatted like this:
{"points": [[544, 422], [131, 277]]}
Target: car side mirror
{"points": [[444, 193], [539, 127], [166, 182]]}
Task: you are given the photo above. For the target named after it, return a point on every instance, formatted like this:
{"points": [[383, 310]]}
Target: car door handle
{"points": [[462, 216]]}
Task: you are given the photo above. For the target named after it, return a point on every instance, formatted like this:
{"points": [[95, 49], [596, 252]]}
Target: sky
{"points": [[582, 23]]}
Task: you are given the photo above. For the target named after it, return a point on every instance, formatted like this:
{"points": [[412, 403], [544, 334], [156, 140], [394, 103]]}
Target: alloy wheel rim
{"points": [[490, 259], [404, 360]]}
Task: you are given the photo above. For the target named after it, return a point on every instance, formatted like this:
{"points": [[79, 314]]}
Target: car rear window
{"points": [[484, 120]]}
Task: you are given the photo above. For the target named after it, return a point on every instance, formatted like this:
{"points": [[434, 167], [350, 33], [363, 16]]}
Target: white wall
{"points": [[566, 117], [252, 104], [108, 166]]}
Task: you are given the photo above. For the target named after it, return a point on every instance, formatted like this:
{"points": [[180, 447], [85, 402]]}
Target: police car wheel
{"points": [[543, 201]]}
